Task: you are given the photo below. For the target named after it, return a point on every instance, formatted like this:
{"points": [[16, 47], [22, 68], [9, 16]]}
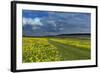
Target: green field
{"points": [[47, 49]]}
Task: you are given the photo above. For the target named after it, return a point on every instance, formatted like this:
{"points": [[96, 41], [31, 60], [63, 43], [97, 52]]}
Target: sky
{"points": [[41, 23]]}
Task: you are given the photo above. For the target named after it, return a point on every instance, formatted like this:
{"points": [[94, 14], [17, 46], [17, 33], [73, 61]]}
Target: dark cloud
{"points": [[60, 23]]}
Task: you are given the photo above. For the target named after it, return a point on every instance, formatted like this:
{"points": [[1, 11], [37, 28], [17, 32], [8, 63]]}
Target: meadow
{"points": [[47, 49]]}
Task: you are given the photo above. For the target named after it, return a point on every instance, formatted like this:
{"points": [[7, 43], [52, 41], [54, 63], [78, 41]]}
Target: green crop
{"points": [[49, 49]]}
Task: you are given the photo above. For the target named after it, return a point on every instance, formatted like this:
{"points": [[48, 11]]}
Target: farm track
{"points": [[70, 52]]}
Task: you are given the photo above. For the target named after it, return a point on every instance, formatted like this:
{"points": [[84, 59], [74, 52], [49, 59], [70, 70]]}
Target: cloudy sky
{"points": [[40, 23]]}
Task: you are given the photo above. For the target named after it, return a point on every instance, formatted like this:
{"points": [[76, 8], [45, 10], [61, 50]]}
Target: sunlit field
{"points": [[47, 49]]}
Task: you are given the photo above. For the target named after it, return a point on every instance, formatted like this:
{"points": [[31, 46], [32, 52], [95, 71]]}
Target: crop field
{"points": [[47, 49]]}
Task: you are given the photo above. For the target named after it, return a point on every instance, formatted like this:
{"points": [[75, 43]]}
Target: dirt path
{"points": [[70, 52]]}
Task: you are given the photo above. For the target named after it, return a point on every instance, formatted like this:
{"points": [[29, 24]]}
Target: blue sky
{"points": [[33, 14], [39, 23]]}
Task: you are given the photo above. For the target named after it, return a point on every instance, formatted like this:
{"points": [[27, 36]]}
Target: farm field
{"points": [[47, 49]]}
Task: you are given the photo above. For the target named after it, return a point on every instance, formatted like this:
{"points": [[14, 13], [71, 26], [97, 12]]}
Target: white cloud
{"points": [[31, 21], [52, 22], [61, 28], [35, 27]]}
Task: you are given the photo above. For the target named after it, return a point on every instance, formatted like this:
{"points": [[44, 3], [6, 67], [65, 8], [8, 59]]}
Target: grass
{"points": [[47, 49]]}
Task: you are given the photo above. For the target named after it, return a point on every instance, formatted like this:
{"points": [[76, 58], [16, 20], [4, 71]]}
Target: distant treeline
{"points": [[63, 35]]}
